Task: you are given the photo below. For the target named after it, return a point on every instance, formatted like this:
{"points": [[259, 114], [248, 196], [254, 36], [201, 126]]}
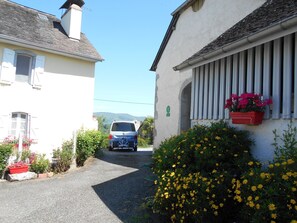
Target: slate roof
{"points": [[26, 26], [268, 15]]}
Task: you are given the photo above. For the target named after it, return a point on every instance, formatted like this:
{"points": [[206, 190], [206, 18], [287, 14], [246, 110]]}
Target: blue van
{"points": [[123, 135]]}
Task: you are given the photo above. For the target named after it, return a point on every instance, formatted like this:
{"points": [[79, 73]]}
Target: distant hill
{"points": [[109, 117]]}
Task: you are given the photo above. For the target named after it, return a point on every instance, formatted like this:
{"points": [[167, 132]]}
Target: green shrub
{"points": [[63, 157], [269, 195], [40, 164], [87, 144], [26, 153], [105, 141], [142, 142], [5, 152], [286, 144], [195, 171]]}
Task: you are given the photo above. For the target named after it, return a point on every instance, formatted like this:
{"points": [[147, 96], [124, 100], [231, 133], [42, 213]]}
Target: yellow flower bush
{"points": [[270, 195], [194, 179]]}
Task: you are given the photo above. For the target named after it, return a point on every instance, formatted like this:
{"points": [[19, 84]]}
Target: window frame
{"points": [[32, 62], [18, 124]]}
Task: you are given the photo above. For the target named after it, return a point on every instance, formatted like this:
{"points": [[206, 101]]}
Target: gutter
{"points": [[258, 38], [24, 43]]}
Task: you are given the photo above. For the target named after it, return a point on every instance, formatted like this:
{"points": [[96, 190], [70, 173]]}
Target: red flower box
{"points": [[249, 118], [14, 170]]}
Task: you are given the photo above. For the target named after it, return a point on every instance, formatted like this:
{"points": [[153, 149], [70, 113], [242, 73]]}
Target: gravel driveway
{"points": [[109, 189]]}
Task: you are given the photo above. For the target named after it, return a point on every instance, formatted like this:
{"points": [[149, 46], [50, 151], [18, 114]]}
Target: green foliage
{"points": [[285, 145], [268, 195], [63, 157], [26, 153], [102, 126], [40, 164], [105, 141], [195, 171], [5, 152], [146, 131], [87, 144], [142, 142]]}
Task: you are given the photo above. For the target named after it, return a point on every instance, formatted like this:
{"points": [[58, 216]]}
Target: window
{"points": [[19, 124], [23, 67], [269, 69], [123, 127]]}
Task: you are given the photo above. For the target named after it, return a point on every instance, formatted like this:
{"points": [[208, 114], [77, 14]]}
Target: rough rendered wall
{"points": [[193, 31]]}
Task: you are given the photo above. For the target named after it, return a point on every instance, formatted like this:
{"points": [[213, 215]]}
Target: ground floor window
{"points": [[19, 124]]}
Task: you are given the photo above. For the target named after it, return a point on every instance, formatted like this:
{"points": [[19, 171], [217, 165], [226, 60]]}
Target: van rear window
{"points": [[123, 127]]}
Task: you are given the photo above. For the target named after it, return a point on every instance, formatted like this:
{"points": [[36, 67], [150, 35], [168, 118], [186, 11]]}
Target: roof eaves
{"points": [[24, 43], [199, 57]]}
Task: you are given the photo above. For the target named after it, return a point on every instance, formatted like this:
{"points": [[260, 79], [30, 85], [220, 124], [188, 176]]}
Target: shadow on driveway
{"points": [[126, 195]]}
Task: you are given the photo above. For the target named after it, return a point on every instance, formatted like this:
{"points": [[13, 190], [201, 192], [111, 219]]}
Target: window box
{"points": [[249, 118], [14, 170]]}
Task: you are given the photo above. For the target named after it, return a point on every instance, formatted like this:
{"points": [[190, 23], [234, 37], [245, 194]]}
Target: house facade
{"points": [[194, 25], [258, 54], [47, 69]]}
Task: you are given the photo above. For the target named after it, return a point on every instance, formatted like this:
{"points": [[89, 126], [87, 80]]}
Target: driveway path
{"points": [[108, 190]]}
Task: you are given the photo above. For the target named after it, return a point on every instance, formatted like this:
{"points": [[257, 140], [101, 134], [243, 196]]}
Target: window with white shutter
{"points": [[36, 80], [21, 66], [7, 72], [33, 127], [4, 125]]}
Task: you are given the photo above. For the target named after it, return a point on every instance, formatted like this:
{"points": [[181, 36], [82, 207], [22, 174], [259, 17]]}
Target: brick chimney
{"points": [[71, 21]]}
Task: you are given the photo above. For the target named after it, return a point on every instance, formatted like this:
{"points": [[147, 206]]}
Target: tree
{"points": [[146, 130], [102, 127]]}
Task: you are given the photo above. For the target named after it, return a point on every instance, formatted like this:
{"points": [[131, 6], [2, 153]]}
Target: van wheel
{"points": [[110, 148], [135, 149]]}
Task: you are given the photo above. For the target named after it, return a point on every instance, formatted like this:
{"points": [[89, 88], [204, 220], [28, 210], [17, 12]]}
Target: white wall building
{"points": [[258, 54], [194, 24], [46, 76]]}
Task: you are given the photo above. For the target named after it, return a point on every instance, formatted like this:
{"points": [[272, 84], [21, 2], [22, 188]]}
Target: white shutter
{"points": [[7, 72], [5, 123], [33, 128], [38, 72]]}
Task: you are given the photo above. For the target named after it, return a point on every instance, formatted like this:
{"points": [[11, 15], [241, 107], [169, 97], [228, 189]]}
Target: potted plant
{"points": [[40, 165], [248, 108], [19, 167]]}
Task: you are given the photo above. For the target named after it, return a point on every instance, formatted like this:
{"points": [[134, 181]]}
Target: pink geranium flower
{"points": [[247, 102]]}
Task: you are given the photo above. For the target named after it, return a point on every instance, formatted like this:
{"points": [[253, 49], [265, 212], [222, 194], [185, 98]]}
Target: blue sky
{"points": [[127, 34]]}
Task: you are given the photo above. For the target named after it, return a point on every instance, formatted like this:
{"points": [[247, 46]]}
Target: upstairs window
{"points": [[23, 67]]}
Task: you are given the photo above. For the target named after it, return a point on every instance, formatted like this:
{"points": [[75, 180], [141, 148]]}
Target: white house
{"points": [[46, 75], [194, 24], [258, 54]]}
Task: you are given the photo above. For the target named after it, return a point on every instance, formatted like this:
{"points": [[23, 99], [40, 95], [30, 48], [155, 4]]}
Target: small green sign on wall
{"points": [[168, 111]]}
